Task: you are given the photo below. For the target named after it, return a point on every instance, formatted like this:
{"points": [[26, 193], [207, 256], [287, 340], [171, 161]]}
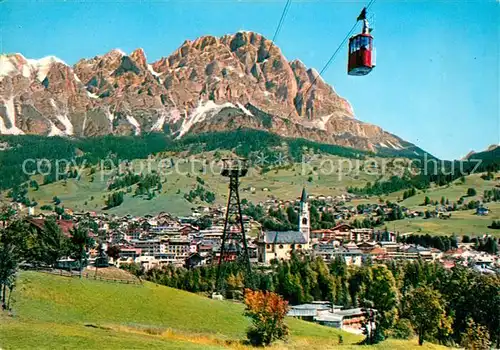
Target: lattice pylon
{"points": [[234, 243]]}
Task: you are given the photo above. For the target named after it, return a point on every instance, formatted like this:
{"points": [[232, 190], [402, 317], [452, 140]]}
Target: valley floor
{"points": [[54, 312]]}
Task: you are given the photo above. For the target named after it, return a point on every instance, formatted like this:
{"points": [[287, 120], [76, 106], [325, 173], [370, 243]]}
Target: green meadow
{"points": [[321, 176], [54, 312]]}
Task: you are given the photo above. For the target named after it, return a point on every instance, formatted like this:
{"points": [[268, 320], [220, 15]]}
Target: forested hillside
{"points": [[89, 151]]}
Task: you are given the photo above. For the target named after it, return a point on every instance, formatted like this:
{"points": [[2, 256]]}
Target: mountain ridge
{"points": [[491, 152], [207, 84]]}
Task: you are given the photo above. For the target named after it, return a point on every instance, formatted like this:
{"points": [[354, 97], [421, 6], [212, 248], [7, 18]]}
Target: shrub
{"points": [[495, 225], [200, 180], [476, 336], [267, 311], [471, 192]]}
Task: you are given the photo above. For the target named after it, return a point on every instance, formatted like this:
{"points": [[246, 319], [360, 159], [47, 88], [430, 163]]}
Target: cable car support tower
{"points": [[233, 237]]}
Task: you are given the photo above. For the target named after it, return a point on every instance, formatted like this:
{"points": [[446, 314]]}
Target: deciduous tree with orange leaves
{"points": [[267, 311]]}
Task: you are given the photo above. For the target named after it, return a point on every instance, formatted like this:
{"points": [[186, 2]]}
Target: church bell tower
{"points": [[304, 222]]}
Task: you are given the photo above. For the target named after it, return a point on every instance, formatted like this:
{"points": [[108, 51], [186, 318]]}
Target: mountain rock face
{"points": [[209, 84], [492, 152]]}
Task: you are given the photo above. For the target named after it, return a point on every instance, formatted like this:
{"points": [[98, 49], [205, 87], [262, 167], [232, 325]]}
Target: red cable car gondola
{"points": [[361, 50]]}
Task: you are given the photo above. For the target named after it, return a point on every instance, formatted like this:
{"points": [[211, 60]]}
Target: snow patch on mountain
{"points": [[63, 119], [84, 123], [398, 146], [202, 112], [54, 130], [155, 74], [246, 111], [91, 95], [109, 115], [135, 124], [42, 66], [174, 116], [319, 123], [6, 66], [18, 64], [158, 125], [111, 118], [389, 144], [14, 63], [119, 51]]}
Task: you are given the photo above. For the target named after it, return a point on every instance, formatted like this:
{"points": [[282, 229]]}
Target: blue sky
{"points": [[436, 83]]}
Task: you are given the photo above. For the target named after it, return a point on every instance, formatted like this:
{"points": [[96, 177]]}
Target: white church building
{"points": [[280, 244]]}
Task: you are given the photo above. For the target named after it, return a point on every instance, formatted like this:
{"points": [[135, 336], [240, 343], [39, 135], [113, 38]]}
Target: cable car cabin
{"points": [[361, 53], [361, 59]]}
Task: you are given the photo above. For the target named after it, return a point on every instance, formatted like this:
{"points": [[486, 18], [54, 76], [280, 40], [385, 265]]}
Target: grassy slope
{"points": [[454, 191], [52, 311], [283, 184], [460, 223]]}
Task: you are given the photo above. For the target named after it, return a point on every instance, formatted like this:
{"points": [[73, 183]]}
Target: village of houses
{"points": [[157, 240]]}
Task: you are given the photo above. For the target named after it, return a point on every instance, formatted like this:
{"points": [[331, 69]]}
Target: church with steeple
{"points": [[279, 245], [304, 224]]}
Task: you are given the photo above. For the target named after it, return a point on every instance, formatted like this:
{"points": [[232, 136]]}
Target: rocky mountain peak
{"points": [[17, 65], [207, 84], [203, 42], [139, 57], [127, 65], [116, 53], [61, 79]]}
